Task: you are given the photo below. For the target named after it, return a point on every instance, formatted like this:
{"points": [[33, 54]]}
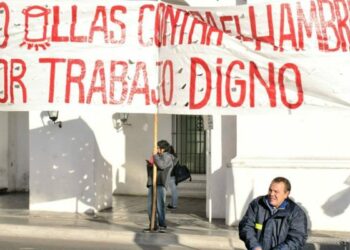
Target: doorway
{"points": [[189, 141]]}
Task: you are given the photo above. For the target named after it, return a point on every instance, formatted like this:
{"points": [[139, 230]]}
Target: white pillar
{"points": [[4, 150], [18, 144]]}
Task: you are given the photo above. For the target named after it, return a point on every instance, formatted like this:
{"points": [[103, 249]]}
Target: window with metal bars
{"points": [[189, 141]]}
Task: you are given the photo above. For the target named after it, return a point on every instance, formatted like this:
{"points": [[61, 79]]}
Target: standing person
{"points": [[164, 162], [274, 221], [172, 183]]}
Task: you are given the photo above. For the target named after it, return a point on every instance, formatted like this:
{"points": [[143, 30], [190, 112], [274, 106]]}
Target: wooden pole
{"points": [[154, 186], [155, 140]]}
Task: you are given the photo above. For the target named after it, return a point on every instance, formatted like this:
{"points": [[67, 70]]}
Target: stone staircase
{"points": [[195, 188]]}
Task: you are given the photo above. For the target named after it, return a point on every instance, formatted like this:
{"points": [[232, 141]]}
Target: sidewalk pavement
{"points": [[124, 223]]}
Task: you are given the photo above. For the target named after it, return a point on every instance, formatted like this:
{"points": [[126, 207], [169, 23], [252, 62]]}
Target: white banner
{"points": [[146, 57]]}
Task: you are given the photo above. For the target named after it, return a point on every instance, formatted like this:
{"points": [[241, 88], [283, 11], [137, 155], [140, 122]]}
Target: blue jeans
{"points": [[173, 191], [160, 212]]}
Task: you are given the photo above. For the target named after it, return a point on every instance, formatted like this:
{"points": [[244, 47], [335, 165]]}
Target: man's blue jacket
{"points": [[285, 228]]}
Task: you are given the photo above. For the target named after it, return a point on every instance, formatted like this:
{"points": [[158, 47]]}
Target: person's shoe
{"points": [[148, 230], [162, 230], [171, 207]]}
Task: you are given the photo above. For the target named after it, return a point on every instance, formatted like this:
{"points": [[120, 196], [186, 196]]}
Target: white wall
{"points": [[79, 166], [71, 167], [310, 149], [256, 1], [18, 168], [3, 150], [131, 177], [302, 135], [210, 2], [14, 151], [222, 151], [321, 188]]}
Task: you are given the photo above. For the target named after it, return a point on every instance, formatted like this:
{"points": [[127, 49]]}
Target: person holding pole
{"points": [[164, 162]]}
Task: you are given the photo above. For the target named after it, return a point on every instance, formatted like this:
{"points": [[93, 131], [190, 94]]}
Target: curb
{"points": [[201, 240], [119, 236]]}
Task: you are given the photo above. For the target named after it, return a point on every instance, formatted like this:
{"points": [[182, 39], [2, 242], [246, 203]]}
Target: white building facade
{"points": [[81, 165]]}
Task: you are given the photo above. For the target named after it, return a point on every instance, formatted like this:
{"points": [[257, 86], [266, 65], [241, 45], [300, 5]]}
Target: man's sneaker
{"points": [[171, 207], [162, 230], [148, 230]]}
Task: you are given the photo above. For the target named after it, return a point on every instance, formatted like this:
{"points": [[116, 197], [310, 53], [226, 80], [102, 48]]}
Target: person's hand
{"points": [[151, 160], [148, 164]]}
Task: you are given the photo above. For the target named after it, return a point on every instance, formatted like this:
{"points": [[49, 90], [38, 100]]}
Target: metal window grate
{"points": [[189, 140]]}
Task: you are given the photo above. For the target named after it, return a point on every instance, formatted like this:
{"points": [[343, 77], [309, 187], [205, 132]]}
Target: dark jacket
{"points": [[164, 164], [284, 229]]}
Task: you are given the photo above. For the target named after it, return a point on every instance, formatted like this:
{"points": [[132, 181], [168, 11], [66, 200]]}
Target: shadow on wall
{"points": [[339, 202], [249, 199], [229, 147], [309, 222], [66, 166], [131, 177]]}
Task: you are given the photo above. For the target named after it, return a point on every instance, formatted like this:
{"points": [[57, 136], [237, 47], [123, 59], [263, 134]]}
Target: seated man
{"points": [[274, 221]]}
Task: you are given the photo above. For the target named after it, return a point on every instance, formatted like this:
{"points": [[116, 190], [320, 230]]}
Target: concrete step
{"points": [[193, 241], [315, 243], [191, 193], [184, 230], [195, 188]]}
